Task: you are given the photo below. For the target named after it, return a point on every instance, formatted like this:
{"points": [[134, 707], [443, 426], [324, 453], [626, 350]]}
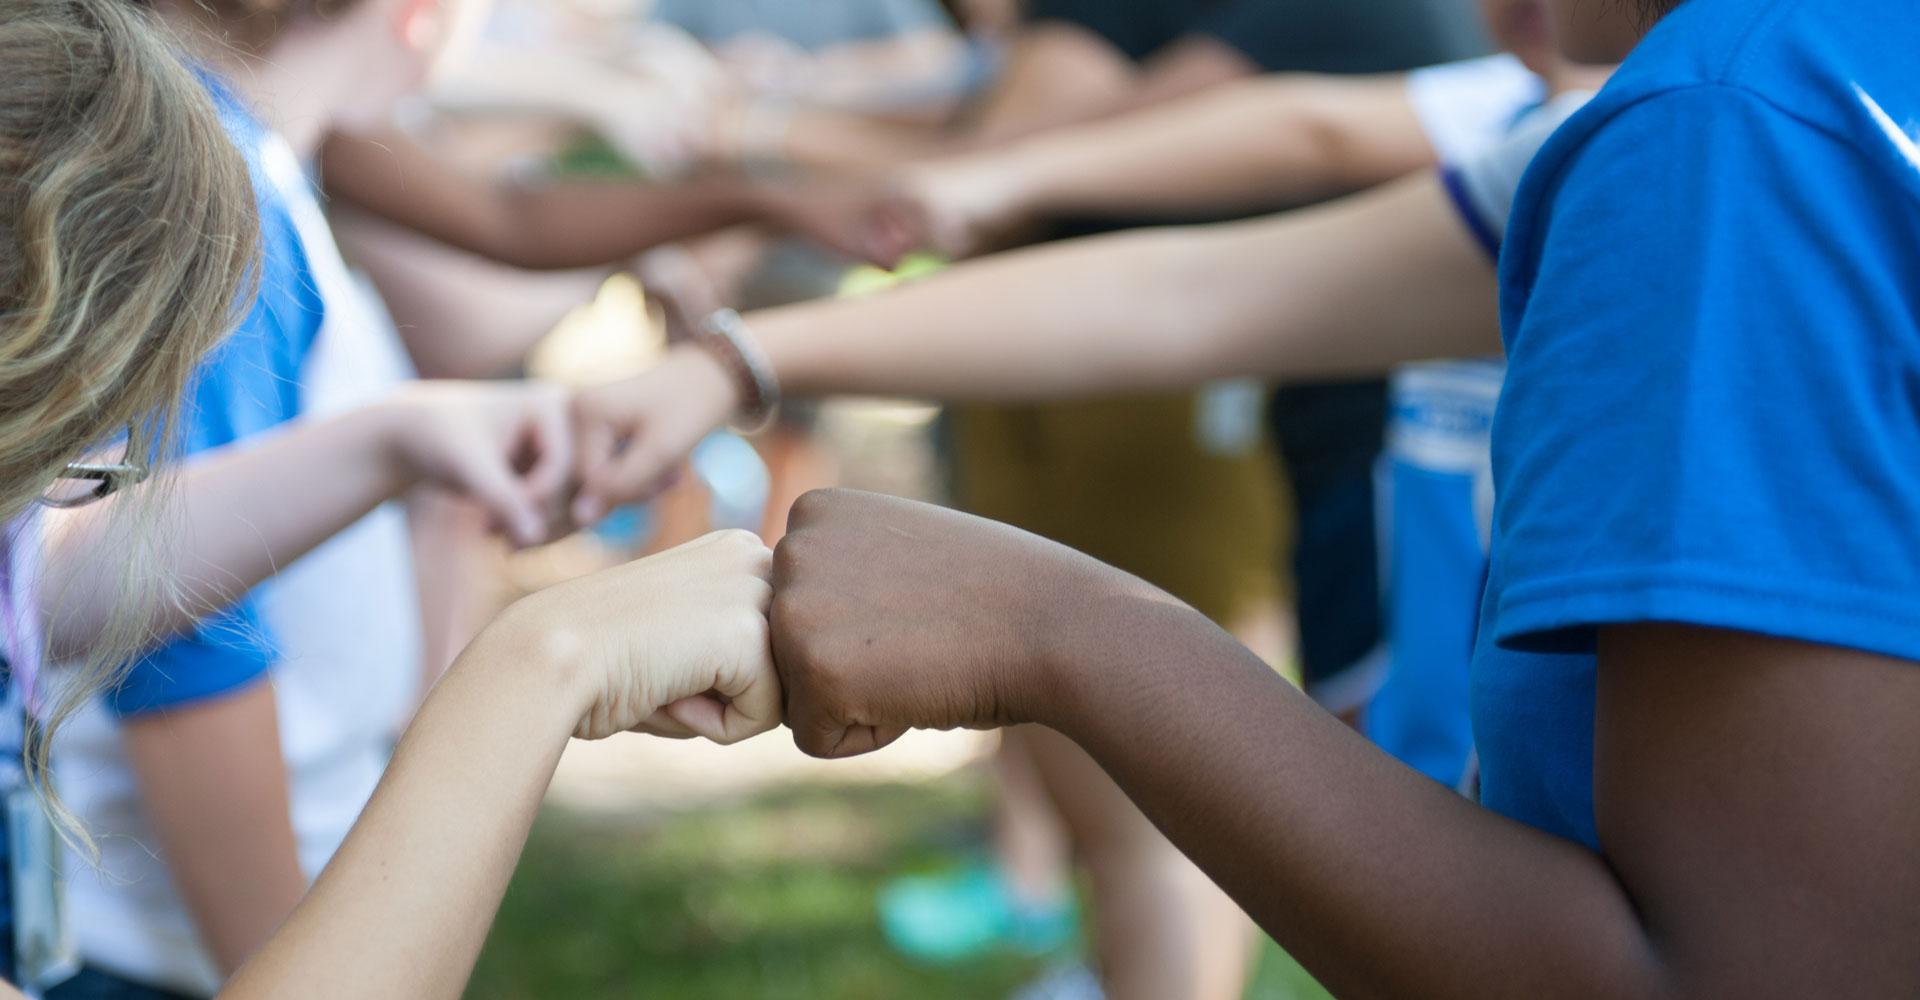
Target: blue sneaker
{"points": [[956, 916]]}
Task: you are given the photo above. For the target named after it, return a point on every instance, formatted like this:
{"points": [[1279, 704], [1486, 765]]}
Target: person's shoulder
{"points": [[1797, 64]]}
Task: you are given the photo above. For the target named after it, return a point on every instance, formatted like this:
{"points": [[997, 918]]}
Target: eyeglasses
{"points": [[84, 483], [90, 482]]}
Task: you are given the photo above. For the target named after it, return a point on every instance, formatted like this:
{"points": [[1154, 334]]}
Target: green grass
{"points": [[766, 899]]}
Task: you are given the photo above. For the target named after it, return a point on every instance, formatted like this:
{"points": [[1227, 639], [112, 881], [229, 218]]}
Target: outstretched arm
{"points": [[571, 224], [402, 910], [1348, 289], [246, 510], [1267, 142], [1743, 784]]}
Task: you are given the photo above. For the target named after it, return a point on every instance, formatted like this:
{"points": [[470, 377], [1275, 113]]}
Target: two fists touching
{"points": [[875, 616]]}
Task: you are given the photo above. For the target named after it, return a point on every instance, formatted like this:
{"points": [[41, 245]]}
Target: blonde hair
{"points": [[127, 238]]}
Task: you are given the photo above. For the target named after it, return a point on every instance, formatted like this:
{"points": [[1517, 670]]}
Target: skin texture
{"points": [[1262, 143], [1347, 289], [593, 223], [217, 813], [1254, 144], [1755, 794], [411, 894]]}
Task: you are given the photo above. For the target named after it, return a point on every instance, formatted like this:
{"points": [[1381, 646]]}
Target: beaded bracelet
{"points": [[726, 337]]}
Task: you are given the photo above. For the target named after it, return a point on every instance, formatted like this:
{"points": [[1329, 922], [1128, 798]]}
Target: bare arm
{"points": [[1743, 789], [576, 224], [403, 908], [1754, 794], [1267, 142], [213, 783], [1349, 289], [248, 509], [550, 227]]}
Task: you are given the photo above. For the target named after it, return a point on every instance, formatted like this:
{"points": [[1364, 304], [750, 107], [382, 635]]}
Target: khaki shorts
{"points": [[1128, 482]]}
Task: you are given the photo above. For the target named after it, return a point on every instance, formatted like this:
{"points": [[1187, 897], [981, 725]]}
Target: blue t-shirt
{"points": [[249, 384], [1711, 298]]}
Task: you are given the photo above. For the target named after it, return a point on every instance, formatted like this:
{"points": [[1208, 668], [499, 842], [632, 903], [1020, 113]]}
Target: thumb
{"points": [[550, 439], [490, 481], [621, 477]]}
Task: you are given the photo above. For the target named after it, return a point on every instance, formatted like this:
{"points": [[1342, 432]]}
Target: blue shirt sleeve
{"points": [[222, 654], [1713, 410], [248, 385]]}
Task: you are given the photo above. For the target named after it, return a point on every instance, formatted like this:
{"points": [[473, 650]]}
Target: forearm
{"points": [[1352, 289], [588, 224], [548, 226], [1383, 883], [1266, 142], [236, 516], [405, 905], [214, 785]]}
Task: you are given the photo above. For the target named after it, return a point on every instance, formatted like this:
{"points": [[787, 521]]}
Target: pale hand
{"points": [[507, 445], [964, 207], [675, 644], [632, 435], [867, 221]]}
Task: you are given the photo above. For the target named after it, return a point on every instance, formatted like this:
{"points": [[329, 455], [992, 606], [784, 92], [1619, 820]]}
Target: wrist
{"points": [[1111, 639], [392, 427], [547, 659], [728, 342]]}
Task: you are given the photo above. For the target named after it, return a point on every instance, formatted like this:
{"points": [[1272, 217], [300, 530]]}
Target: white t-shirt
{"points": [[346, 628], [1467, 107]]}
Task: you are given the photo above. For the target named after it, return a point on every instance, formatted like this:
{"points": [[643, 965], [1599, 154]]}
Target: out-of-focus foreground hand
{"points": [[675, 644], [507, 445], [631, 436], [891, 615], [872, 221], [964, 207]]}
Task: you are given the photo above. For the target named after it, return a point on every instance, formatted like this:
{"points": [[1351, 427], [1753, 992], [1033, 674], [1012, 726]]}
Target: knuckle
{"points": [[738, 540], [814, 504]]}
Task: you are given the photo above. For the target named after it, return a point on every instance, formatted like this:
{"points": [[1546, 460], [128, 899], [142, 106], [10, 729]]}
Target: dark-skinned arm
{"points": [[1758, 797], [573, 224]]}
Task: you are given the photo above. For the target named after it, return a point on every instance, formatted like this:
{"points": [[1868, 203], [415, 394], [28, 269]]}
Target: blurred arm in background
{"points": [[1263, 143], [1056, 74], [573, 224], [1348, 289]]}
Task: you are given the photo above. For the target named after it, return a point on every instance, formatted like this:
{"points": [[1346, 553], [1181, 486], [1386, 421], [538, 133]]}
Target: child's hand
{"points": [[675, 644], [508, 445], [870, 222], [965, 207], [633, 435], [891, 615]]}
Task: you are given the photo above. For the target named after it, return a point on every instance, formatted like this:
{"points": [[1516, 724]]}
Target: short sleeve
{"points": [[1482, 185], [1713, 409], [1467, 107], [221, 655]]}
